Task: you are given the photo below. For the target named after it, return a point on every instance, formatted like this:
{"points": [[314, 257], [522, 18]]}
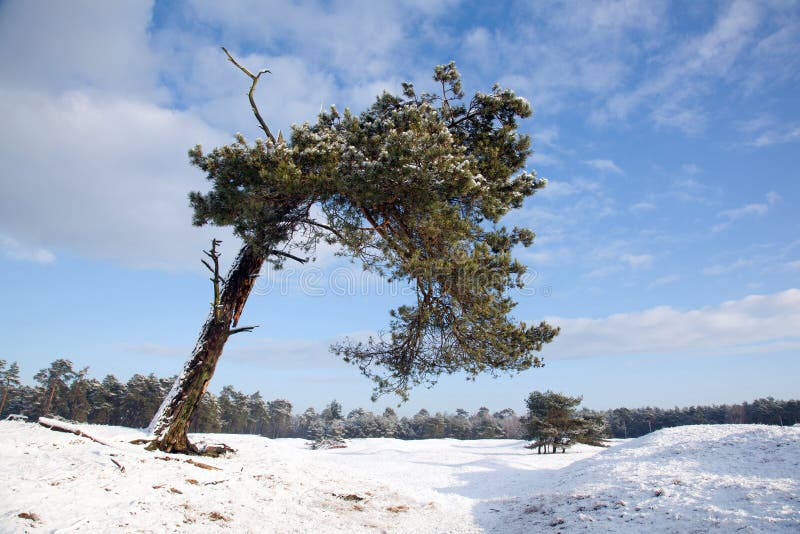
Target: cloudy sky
{"points": [[668, 245]]}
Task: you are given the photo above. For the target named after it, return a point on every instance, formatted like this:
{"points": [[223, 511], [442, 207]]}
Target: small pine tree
{"points": [[280, 418], [53, 390], [332, 411], [9, 381], [316, 431], [553, 423]]}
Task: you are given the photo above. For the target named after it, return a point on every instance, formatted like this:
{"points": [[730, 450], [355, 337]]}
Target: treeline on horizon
{"points": [[63, 391]]}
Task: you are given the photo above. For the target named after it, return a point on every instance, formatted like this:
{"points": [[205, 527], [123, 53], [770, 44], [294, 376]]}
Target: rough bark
{"points": [[170, 425]]}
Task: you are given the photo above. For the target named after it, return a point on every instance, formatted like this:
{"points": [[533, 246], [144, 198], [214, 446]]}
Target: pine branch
{"points": [[287, 255], [318, 224]]}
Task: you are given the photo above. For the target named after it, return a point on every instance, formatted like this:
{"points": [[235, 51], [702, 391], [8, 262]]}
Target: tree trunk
{"points": [[50, 399], [3, 402], [170, 425]]}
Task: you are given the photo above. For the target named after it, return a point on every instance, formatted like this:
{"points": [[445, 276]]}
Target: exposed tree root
{"points": [[212, 450]]}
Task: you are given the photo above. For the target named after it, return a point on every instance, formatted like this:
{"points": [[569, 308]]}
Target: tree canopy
{"points": [[414, 187]]}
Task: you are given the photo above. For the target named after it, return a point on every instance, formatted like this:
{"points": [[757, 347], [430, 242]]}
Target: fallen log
{"points": [[61, 426]]}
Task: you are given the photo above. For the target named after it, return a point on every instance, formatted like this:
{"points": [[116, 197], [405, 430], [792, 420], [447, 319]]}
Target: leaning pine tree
{"points": [[414, 188]]}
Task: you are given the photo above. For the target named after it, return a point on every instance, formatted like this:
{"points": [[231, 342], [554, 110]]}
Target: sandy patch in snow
{"points": [[679, 480]]}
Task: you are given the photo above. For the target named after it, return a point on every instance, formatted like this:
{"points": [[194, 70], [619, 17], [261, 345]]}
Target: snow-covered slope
{"points": [[728, 478], [679, 480]]}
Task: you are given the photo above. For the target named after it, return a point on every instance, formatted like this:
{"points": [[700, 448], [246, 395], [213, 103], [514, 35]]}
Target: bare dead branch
{"points": [[121, 467], [214, 255], [202, 465], [241, 329], [255, 78]]}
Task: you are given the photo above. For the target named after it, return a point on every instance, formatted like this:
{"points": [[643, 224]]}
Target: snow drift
{"points": [[735, 478]]}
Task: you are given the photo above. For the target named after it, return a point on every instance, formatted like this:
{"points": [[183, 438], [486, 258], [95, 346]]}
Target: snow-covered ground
{"points": [[689, 479]]}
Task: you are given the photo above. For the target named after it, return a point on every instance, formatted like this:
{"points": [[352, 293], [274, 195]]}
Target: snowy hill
{"points": [[699, 478], [742, 478]]}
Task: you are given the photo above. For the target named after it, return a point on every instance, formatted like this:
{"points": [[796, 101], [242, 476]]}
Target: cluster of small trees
{"points": [[63, 391], [632, 423], [67, 392], [361, 423], [553, 421]]}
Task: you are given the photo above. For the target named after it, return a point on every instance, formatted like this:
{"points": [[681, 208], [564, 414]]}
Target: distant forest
{"points": [[63, 391]]}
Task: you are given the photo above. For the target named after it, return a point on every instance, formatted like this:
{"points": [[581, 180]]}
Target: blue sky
{"points": [[668, 243]]}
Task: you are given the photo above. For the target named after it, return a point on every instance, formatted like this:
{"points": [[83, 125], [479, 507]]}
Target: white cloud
{"points": [[664, 280], [94, 156], [282, 353], [692, 190], [785, 134], [292, 353], [556, 53], [755, 324], [361, 40], [718, 269], [559, 188], [765, 130], [792, 265], [673, 83], [744, 211], [602, 272], [754, 209], [552, 255], [107, 94], [11, 248], [94, 159], [100, 46], [546, 150], [675, 114], [102, 176], [294, 92], [478, 41], [545, 136], [637, 260], [690, 169], [772, 197], [604, 165], [642, 206]]}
